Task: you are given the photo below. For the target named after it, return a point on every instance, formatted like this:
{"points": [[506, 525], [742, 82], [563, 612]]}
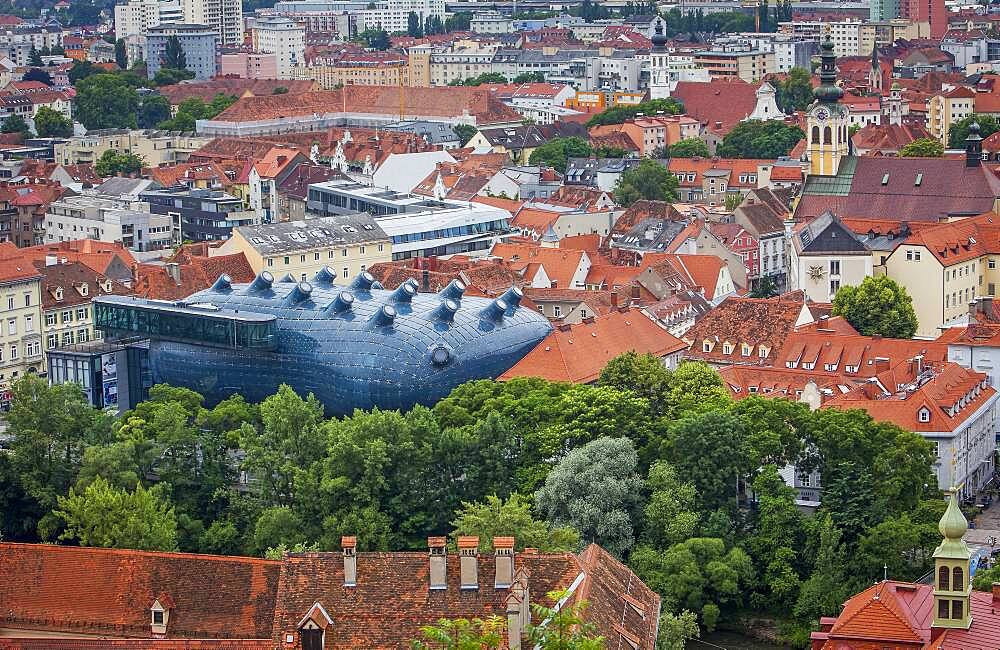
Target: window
{"points": [[992, 263], [302, 258], [943, 611], [583, 313], [51, 341], [27, 300], [329, 254], [157, 617], [346, 272], [286, 260], [361, 250], [747, 349], [81, 314], [10, 302], [380, 247], [805, 480], [270, 261], [67, 338], [13, 352], [957, 608], [67, 316], [29, 324], [937, 449], [12, 326], [343, 252], [924, 415], [727, 348], [834, 267], [957, 580], [834, 286], [82, 336], [316, 257], [50, 320], [34, 348], [943, 580], [557, 310], [706, 346]]}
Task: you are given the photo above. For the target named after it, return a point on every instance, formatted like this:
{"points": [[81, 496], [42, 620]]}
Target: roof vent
{"points": [[288, 277], [495, 310], [446, 312], [223, 285], [404, 293], [512, 297], [440, 355], [377, 285], [340, 304], [363, 282], [885, 179], [384, 316], [300, 293], [261, 283], [454, 291], [325, 275]]}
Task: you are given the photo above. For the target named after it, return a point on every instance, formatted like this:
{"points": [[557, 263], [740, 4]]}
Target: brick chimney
{"points": [[468, 552], [438, 562], [504, 549], [350, 546]]}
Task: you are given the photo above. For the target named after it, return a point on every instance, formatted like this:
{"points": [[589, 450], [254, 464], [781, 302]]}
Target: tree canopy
{"points": [[959, 131], [768, 139], [112, 163], [556, 152], [50, 123], [622, 114], [794, 92], [106, 101], [923, 148], [649, 180], [690, 148], [879, 305]]}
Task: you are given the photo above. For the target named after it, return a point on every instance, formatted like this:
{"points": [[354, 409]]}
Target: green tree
{"points": [[985, 579], [512, 518], [82, 70], [676, 629], [112, 163], [465, 132], [276, 526], [768, 140], [154, 110], [37, 74], [923, 148], [377, 39], [829, 585], [774, 429], [643, 374], [878, 306], [777, 536], [695, 387], [595, 489], [106, 101], [460, 21], [959, 131], [690, 148], [461, 634], [649, 180], [173, 55], [671, 514], [556, 152], [414, 27], [121, 57], [14, 123], [622, 114], [795, 92], [50, 123], [170, 76], [104, 516], [764, 288], [35, 58], [530, 77], [708, 450], [563, 628]]}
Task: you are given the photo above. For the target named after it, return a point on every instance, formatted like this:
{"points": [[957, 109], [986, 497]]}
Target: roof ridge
{"points": [[134, 552]]}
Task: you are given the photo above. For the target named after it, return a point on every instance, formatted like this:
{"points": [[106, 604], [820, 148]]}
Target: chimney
{"points": [[51, 260], [614, 300], [425, 281], [350, 546], [438, 563], [468, 552], [986, 306], [174, 271], [996, 594], [504, 549]]}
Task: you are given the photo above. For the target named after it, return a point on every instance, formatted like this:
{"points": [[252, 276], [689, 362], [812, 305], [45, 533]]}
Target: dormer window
{"points": [[160, 615], [84, 289], [706, 346], [747, 349], [924, 414], [727, 348], [59, 293]]}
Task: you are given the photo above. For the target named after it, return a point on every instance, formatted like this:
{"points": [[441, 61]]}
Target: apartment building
{"points": [[392, 15], [67, 291], [200, 214], [789, 51], [736, 61], [845, 34], [135, 17], [20, 321], [464, 60], [199, 43], [225, 17], [366, 69], [129, 223], [156, 147], [285, 39], [947, 108]]}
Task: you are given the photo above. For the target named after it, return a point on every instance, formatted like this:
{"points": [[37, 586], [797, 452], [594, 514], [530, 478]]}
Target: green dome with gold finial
{"points": [[953, 526]]}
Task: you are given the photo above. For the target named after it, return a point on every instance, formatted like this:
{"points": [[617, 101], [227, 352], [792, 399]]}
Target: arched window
{"points": [[815, 135], [943, 575], [957, 579], [827, 135]]}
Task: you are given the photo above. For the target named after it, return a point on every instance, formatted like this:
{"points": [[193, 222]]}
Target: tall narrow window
{"points": [[943, 575], [827, 135], [957, 579]]}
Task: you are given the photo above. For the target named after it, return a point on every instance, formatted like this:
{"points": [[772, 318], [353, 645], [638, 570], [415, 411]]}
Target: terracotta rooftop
{"points": [[577, 353], [718, 104], [73, 283], [188, 271], [207, 90], [762, 323], [99, 256]]}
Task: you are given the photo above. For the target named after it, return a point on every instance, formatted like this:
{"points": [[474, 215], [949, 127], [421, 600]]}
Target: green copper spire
{"points": [[953, 526], [828, 92]]}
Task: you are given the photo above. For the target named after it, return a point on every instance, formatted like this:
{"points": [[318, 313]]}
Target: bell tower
{"points": [[828, 121], [952, 583], [659, 64]]}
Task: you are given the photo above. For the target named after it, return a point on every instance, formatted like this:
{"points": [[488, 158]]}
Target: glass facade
{"points": [[350, 346], [184, 324]]}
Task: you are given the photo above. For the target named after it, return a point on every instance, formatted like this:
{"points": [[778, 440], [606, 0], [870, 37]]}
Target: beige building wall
{"points": [[346, 261], [923, 279], [853, 271], [67, 325], [156, 151], [943, 111], [20, 330], [420, 66], [330, 77]]}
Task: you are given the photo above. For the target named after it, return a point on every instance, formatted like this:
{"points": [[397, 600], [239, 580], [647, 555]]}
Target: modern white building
{"points": [[284, 38], [135, 17], [125, 222], [392, 15], [224, 16]]}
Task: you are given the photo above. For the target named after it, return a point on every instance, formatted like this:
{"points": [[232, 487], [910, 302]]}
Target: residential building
{"points": [[655, 133], [192, 268], [129, 223], [491, 22], [521, 141], [109, 260], [21, 324], [293, 191], [292, 602], [665, 274], [347, 245], [199, 42], [265, 176], [543, 267], [572, 305], [846, 35], [825, 255], [932, 12], [157, 148], [225, 17], [578, 352], [976, 344], [363, 69], [713, 180], [742, 62], [66, 292], [884, 9], [135, 17], [762, 214], [285, 39], [248, 65], [391, 15], [947, 108], [200, 215]]}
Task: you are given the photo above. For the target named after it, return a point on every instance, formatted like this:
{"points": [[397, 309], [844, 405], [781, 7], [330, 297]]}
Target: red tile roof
{"points": [[560, 265], [451, 102], [763, 323], [207, 90], [110, 592], [719, 104], [100, 256], [577, 353], [197, 270]]}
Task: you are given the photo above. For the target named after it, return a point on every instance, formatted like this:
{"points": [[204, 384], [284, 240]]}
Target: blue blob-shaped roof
{"points": [[355, 346]]}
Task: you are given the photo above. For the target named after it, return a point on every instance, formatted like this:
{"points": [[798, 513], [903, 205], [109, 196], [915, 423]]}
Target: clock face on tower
{"points": [[822, 114]]}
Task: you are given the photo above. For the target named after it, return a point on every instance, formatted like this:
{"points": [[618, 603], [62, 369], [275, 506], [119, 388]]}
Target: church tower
{"points": [[828, 121], [875, 73], [894, 105], [952, 583], [659, 72]]}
